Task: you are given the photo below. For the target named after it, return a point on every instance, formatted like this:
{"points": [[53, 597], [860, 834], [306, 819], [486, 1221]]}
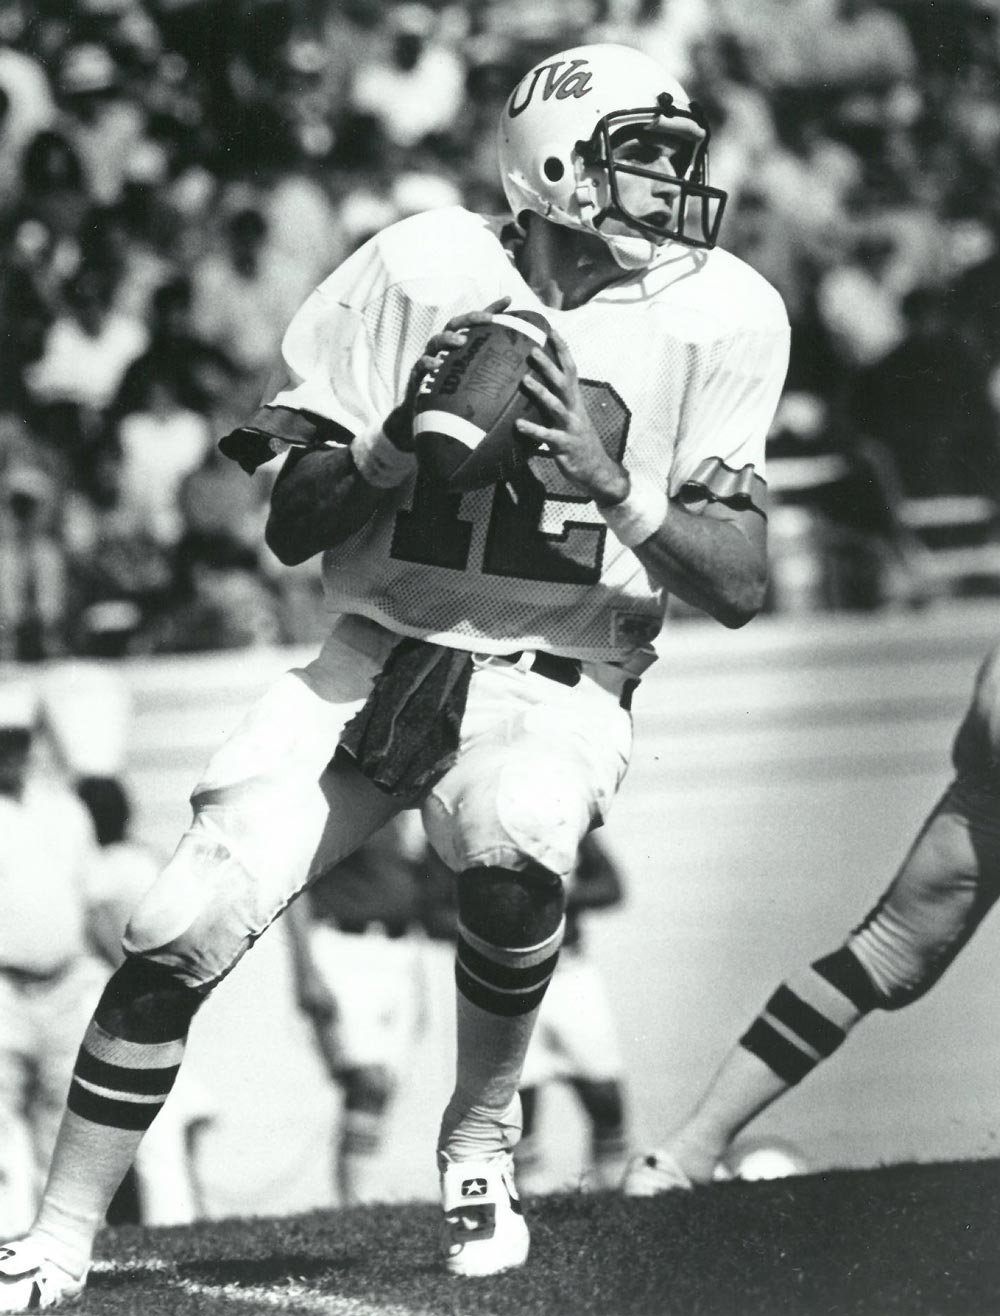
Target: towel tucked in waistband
{"points": [[406, 736]]}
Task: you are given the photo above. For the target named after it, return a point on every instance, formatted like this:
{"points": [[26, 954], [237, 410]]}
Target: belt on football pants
{"points": [[567, 671]]}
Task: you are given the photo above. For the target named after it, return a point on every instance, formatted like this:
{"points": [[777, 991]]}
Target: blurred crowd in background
{"points": [[176, 175]]}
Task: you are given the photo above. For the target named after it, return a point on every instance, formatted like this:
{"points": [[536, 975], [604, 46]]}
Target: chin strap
{"points": [[631, 252]]}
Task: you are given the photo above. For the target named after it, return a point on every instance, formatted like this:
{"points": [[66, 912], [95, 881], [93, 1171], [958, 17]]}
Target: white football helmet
{"points": [[556, 140]]}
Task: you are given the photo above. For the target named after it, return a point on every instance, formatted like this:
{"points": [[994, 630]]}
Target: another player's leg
{"points": [[510, 930], [939, 897], [604, 1102], [368, 1091], [578, 1013], [803, 1022]]}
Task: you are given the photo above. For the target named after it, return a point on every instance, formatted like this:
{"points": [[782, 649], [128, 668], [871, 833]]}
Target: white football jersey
{"points": [[680, 364]]}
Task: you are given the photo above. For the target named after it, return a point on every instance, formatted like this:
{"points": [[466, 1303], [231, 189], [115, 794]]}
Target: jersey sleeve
{"points": [[349, 350], [719, 452], [336, 370]]}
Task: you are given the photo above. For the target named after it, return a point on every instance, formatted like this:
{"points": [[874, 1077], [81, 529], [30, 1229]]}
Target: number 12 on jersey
{"points": [[433, 533]]}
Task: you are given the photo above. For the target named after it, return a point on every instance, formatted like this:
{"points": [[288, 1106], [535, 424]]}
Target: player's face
{"points": [[647, 165]]}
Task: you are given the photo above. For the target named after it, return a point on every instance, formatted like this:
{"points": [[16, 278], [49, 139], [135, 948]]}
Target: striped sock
{"points": [[117, 1089], [499, 991], [809, 1016]]}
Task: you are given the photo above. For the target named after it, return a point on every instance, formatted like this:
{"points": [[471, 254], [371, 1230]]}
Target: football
{"points": [[465, 409]]}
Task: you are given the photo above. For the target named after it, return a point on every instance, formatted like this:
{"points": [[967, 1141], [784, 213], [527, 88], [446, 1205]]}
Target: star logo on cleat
{"points": [[474, 1188]]}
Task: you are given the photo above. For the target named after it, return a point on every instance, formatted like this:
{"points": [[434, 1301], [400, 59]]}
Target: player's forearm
{"points": [[318, 500], [708, 562]]}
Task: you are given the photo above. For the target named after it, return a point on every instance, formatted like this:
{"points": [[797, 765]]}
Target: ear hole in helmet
{"points": [[553, 169]]}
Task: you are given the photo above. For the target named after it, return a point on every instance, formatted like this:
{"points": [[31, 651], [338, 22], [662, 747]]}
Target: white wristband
{"points": [[379, 461], [640, 514]]}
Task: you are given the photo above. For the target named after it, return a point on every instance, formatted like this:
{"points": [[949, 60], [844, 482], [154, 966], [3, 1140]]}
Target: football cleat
{"points": [[29, 1281], [654, 1173], [484, 1229]]}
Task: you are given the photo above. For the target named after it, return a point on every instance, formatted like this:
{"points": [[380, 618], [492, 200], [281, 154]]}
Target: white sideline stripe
{"points": [[456, 427], [325, 1304], [532, 331]]}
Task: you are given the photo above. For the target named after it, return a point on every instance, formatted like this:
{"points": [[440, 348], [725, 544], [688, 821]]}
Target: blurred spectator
{"points": [[929, 405], [928, 402], [672, 34], [196, 372], [416, 87], [160, 445], [121, 574], [836, 537], [494, 68], [86, 352], [976, 296], [27, 107], [222, 602], [55, 195], [860, 302], [23, 303], [245, 294], [822, 47], [103, 124], [217, 501], [112, 243], [305, 224], [34, 587]]}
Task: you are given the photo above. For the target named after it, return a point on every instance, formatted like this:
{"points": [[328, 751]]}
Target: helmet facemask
{"points": [[698, 209]]}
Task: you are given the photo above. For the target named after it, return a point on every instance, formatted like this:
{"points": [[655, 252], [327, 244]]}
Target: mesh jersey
{"points": [[679, 364]]}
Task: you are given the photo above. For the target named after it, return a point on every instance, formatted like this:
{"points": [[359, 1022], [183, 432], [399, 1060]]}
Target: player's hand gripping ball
{"points": [[465, 409]]}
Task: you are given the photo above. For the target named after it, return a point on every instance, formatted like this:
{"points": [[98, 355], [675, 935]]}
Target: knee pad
{"points": [[901, 970], [510, 909], [936, 902], [367, 1088], [146, 1002], [197, 919], [498, 809]]}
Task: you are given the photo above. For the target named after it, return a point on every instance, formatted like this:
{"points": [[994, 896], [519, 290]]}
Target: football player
{"points": [[485, 649], [50, 975], [359, 978], [947, 884]]}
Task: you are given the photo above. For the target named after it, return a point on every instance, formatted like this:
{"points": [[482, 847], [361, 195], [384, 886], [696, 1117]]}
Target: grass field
{"points": [[917, 1240]]}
